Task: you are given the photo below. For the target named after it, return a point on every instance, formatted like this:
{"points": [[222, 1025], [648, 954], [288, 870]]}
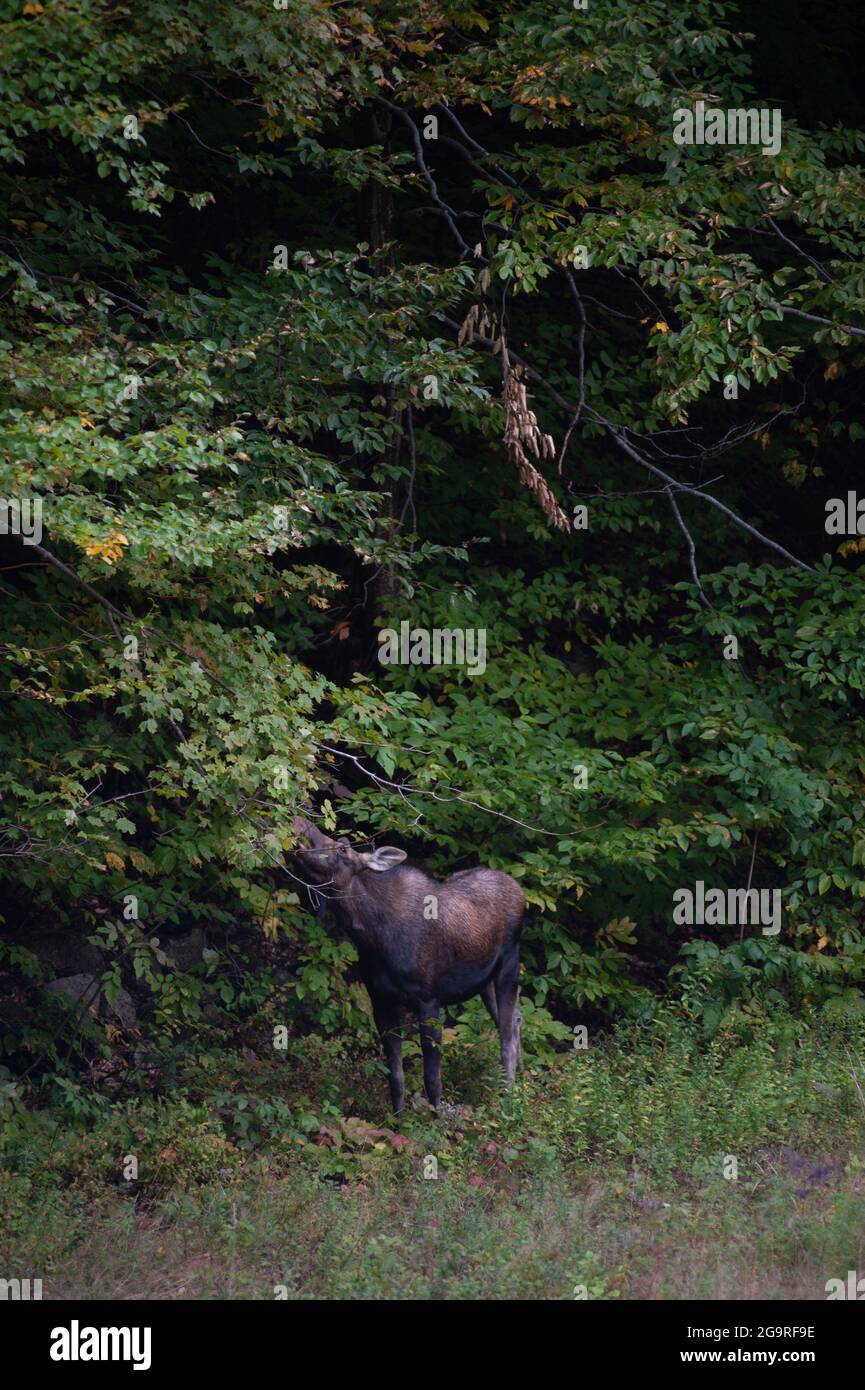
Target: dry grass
{"points": [[617, 1234]]}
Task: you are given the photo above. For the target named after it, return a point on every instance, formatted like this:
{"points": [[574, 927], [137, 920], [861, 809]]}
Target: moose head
{"points": [[332, 864]]}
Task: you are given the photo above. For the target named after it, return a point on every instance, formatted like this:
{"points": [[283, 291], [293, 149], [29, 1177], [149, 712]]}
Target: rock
{"points": [[80, 989], [144, 1060], [123, 1009], [65, 953], [184, 951]]}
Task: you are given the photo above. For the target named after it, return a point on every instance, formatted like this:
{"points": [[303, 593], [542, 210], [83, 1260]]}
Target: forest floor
{"points": [[656, 1165]]}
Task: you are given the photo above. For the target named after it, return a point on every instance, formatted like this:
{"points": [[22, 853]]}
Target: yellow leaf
{"points": [[114, 861], [109, 549], [660, 327]]}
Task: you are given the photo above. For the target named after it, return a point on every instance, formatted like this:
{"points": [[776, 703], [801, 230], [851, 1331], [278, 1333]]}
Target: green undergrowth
{"points": [[655, 1164]]}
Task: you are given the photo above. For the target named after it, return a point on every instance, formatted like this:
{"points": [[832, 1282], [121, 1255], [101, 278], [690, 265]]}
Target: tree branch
{"points": [[618, 434]]}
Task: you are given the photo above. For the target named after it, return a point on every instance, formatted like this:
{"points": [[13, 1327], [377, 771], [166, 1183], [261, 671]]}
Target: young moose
{"points": [[422, 944]]}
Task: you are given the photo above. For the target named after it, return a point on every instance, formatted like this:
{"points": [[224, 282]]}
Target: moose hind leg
{"points": [[507, 994], [430, 1041], [489, 997], [387, 1021]]}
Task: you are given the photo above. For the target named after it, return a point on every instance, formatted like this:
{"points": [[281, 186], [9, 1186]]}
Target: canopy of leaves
{"points": [[273, 277]]}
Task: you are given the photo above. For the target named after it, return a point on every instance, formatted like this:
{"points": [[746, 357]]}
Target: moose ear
{"points": [[385, 857]]}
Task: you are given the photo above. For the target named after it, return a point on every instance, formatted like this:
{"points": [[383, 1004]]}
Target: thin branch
{"points": [[618, 436], [424, 791], [479, 149], [581, 354], [113, 612], [692, 549], [750, 873], [798, 249], [105, 603], [448, 213], [816, 318]]}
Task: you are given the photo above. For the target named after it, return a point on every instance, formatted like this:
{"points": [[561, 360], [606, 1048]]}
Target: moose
{"points": [[421, 944]]}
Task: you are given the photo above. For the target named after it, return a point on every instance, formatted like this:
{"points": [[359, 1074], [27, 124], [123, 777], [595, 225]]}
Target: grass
{"points": [[606, 1174]]}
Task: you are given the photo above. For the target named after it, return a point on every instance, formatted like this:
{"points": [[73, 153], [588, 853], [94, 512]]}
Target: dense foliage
{"points": [[273, 281]]}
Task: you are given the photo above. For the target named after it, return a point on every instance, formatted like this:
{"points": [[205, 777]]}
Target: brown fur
{"points": [[409, 958]]}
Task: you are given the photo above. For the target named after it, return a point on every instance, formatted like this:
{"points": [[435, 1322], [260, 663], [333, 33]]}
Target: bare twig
{"points": [[692, 550]]}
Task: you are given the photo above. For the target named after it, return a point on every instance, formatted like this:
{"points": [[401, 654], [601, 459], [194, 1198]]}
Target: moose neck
{"points": [[371, 900]]}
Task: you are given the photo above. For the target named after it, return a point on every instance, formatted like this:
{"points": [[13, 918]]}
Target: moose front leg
{"points": [[387, 1021], [430, 1041]]}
